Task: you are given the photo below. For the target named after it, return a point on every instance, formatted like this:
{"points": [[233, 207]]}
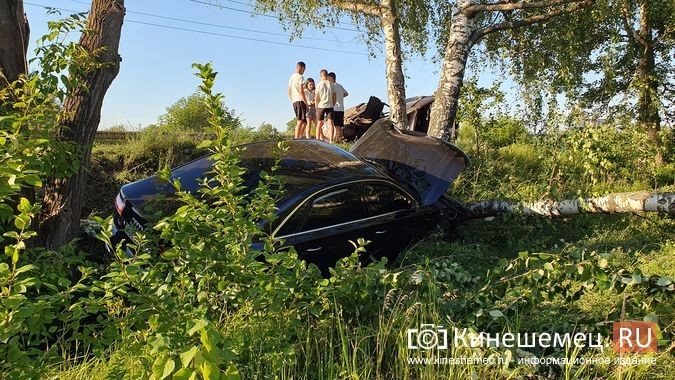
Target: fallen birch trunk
{"points": [[642, 201]]}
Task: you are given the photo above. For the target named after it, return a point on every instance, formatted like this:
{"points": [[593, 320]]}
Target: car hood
{"points": [[426, 164]]}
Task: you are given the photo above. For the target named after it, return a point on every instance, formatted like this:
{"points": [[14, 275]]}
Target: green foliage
{"points": [[192, 114], [117, 128], [167, 144], [31, 115], [570, 157], [503, 131], [413, 19], [159, 146], [46, 314], [211, 270], [606, 62], [665, 175], [290, 125], [41, 310], [606, 151], [267, 129], [211, 295]]}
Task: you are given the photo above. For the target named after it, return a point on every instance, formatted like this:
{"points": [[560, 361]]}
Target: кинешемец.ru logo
{"points": [[634, 336], [631, 336]]}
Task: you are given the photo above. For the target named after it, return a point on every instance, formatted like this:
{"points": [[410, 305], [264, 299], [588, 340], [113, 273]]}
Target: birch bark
{"points": [[638, 202], [444, 108], [394, 64]]}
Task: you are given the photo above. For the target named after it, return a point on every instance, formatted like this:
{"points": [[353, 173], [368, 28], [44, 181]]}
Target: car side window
{"points": [[335, 207], [382, 199], [291, 225]]}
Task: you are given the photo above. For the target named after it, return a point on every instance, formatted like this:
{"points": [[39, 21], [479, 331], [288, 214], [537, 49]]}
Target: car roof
{"points": [[305, 165], [309, 159]]}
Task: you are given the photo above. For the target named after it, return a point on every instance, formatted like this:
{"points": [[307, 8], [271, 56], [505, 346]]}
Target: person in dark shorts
{"points": [[324, 99], [296, 93], [339, 107], [310, 92]]}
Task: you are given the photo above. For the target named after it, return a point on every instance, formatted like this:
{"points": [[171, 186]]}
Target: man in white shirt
{"points": [[339, 107], [297, 95], [324, 100]]}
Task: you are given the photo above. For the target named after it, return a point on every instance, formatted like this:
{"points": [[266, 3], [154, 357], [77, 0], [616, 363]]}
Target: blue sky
{"points": [[253, 75]]}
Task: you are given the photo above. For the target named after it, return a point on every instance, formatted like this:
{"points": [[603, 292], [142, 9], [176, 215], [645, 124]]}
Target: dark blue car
{"points": [[390, 189]]}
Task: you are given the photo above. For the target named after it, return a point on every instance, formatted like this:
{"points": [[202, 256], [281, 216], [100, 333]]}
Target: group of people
{"points": [[317, 104]]}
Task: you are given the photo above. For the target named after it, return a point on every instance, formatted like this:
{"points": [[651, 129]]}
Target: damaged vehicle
{"points": [[362, 116], [390, 189]]}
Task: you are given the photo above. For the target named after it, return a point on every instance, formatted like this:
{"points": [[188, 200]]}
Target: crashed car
{"points": [[390, 189], [360, 117]]}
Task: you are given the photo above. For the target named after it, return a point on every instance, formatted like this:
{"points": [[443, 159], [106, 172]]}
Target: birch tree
{"points": [[617, 61], [634, 202], [471, 21], [397, 21]]}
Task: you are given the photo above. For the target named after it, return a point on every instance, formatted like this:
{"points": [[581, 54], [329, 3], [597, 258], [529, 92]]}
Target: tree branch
{"points": [[497, 7], [625, 16], [357, 6], [529, 20]]}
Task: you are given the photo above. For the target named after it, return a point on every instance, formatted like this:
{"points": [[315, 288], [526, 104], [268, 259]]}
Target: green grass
{"points": [[346, 346], [453, 275]]}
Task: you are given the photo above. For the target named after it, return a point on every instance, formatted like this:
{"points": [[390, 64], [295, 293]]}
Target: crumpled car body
{"points": [[390, 193], [358, 119]]}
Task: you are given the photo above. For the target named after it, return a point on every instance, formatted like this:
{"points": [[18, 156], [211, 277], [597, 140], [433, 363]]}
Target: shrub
{"points": [[521, 159], [192, 114], [210, 273], [159, 146], [503, 131], [665, 175]]}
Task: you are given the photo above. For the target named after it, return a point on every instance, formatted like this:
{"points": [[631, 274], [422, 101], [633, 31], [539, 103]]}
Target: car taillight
{"points": [[119, 204]]}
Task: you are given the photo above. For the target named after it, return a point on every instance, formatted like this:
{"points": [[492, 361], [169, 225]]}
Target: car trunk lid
{"points": [[426, 164]]}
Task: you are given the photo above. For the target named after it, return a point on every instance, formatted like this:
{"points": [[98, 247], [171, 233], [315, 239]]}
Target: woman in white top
{"points": [[311, 107]]}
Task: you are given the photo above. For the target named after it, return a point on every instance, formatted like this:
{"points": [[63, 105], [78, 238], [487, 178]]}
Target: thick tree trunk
{"points": [[394, 64], [643, 201], [444, 108], [14, 34], [62, 203], [648, 108]]}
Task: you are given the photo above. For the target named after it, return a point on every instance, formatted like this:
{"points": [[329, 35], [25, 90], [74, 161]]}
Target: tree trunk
{"points": [[62, 202], [643, 201], [444, 108], [648, 108], [394, 65], [14, 34]]}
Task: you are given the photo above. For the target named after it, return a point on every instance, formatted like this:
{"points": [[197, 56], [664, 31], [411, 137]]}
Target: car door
{"points": [[321, 227], [390, 215]]}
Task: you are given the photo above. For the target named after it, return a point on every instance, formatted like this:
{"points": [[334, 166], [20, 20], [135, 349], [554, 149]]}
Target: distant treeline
{"points": [[119, 136]]}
